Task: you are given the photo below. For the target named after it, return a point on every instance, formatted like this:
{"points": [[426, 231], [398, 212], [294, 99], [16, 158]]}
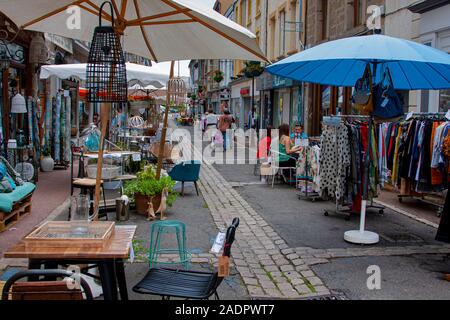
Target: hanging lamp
{"points": [[106, 70]]}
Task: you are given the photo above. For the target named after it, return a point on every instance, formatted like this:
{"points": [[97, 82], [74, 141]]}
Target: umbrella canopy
{"points": [[413, 66], [153, 76], [160, 30]]}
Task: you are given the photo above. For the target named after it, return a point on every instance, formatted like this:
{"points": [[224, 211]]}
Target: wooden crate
{"points": [[57, 234], [20, 210]]}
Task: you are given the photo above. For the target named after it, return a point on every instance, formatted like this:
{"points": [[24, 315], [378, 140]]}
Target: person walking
{"points": [[224, 124]]}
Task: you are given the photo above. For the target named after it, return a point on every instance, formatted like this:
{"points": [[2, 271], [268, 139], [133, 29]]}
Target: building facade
{"points": [[328, 20]]}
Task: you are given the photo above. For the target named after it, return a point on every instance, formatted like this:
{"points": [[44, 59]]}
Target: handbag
{"points": [[387, 102], [363, 97]]}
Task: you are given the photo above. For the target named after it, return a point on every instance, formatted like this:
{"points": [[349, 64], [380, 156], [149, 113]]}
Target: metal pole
{"points": [[162, 143]]}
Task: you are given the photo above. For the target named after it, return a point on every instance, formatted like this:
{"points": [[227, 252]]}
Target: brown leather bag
{"points": [[363, 103]]}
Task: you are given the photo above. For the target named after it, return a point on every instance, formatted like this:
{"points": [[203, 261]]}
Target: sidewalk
{"points": [[52, 191]]}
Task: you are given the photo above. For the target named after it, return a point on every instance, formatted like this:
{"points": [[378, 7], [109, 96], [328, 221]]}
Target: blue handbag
{"points": [[387, 102]]}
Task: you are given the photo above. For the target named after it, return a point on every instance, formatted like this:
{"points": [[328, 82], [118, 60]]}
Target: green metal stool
{"points": [[157, 232]]}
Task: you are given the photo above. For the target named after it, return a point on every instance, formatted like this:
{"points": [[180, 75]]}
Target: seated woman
{"points": [[287, 154], [264, 145]]}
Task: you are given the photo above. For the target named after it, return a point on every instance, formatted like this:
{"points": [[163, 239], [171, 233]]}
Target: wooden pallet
{"points": [[19, 211]]}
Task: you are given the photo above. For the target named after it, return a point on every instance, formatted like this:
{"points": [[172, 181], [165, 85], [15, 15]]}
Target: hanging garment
{"points": [[30, 121], [48, 121], [423, 177], [334, 160], [57, 129], [2, 137], [63, 128], [68, 135], [395, 165]]}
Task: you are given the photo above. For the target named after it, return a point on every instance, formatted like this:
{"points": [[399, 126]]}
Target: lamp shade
{"points": [[18, 104]]}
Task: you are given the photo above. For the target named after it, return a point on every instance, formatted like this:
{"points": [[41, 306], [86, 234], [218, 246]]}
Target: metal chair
{"points": [[169, 283], [44, 290], [276, 169], [188, 171]]}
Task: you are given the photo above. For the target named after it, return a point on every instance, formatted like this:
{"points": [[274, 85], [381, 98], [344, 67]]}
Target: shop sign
{"points": [[245, 91], [280, 82], [63, 43], [12, 51]]}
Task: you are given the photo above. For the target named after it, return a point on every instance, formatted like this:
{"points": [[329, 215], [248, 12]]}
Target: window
{"points": [[293, 26], [249, 12], [282, 37], [272, 39], [258, 8], [258, 37], [324, 9], [444, 100], [358, 13]]}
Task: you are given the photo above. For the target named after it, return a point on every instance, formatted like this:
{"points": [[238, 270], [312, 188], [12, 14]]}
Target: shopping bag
{"points": [[387, 102], [218, 138], [362, 97]]}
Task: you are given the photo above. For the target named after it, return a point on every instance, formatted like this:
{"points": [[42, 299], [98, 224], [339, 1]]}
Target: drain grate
{"points": [[402, 238], [328, 297]]}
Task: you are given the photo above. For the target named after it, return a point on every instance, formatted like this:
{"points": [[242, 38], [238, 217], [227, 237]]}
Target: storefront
{"points": [[281, 100], [241, 100]]}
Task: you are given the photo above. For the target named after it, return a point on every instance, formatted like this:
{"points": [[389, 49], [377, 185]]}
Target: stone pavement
{"points": [[269, 268]]}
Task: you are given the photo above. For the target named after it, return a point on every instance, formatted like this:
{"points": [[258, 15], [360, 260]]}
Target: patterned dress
{"points": [[335, 160]]}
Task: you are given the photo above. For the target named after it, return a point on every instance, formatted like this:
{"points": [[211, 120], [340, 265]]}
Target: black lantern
{"points": [[106, 69]]}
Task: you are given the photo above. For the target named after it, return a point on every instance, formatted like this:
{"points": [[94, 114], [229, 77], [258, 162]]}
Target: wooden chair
{"points": [[44, 290]]}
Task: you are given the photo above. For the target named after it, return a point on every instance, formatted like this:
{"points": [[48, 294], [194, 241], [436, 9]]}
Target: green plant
{"points": [[47, 152], [218, 76], [147, 185], [252, 69]]}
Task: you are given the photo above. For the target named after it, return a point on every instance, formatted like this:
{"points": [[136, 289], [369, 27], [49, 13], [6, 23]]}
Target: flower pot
{"points": [[141, 202], [47, 164]]}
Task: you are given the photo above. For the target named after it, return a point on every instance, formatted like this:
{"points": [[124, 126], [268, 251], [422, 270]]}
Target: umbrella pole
{"points": [[104, 116], [162, 143]]}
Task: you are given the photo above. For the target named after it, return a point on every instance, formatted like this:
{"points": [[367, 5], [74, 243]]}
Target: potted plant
{"points": [[47, 162], [252, 69], [218, 76], [147, 189]]}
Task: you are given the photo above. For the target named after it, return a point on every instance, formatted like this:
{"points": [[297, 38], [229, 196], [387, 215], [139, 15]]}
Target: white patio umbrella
{"points": [[149, 76], [161, 30]]}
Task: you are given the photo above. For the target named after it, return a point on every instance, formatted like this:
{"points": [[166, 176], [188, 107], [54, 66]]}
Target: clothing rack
{"points": [[421, 198], [360, 236], [306, 195]]}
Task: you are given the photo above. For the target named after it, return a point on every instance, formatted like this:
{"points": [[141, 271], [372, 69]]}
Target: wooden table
{"points": [[109, 259]]}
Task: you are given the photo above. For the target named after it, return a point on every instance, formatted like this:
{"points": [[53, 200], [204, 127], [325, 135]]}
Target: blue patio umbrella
{"points": [[413, 66]]}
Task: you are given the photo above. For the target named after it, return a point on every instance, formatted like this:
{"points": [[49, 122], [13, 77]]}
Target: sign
{"points": [[218, 243], [12, 51], [63, 43], [224, 266], [245, 91]]}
